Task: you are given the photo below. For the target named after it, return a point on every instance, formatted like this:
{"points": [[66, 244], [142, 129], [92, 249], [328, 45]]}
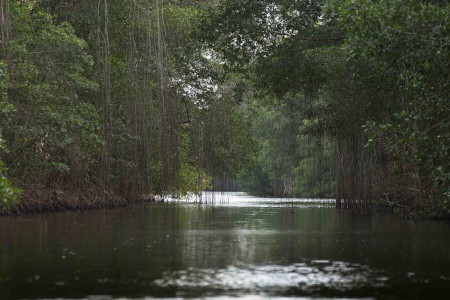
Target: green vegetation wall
{"points": [[114, 96], [370, 81], [309, 98]]}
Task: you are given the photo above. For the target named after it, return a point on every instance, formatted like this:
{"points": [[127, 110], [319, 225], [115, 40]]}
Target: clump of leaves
{"points": [[8, 194]]}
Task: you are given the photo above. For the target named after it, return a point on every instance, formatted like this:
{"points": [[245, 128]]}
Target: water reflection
{"points": [[238, 246], [309, 277]]}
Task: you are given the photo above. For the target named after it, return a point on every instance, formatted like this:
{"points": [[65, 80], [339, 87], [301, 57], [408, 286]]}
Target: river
{"points": [[234, 246]]}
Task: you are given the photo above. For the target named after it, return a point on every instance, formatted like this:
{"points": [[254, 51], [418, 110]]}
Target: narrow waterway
{"points": [[238, 247]]}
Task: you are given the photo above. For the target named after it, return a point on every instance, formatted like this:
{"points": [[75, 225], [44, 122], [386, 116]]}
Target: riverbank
{"points": [[41, 199]]}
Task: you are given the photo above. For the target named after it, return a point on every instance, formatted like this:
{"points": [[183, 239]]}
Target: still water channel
{"points": [[237, 247]]}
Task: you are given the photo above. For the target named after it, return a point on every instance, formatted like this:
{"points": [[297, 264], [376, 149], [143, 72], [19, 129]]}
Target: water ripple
{"points": [[308, 277]]}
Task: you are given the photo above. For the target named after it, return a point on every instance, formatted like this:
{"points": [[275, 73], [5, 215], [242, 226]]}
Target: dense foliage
{"points": [[288, 163], [8, 194], [367, 80], [316, 98], [409, 42], [113, 96]]}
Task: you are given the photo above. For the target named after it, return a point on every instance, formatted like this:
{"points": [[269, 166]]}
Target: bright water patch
{"points": [[241, 199], [268, 281], [307, 278], [242, 297]]}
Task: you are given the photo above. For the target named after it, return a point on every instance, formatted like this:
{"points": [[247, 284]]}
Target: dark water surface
{"points": [[239, 247]]}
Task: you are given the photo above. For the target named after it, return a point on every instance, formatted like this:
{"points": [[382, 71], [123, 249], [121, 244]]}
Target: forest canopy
{"points": [[339, 98]]}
